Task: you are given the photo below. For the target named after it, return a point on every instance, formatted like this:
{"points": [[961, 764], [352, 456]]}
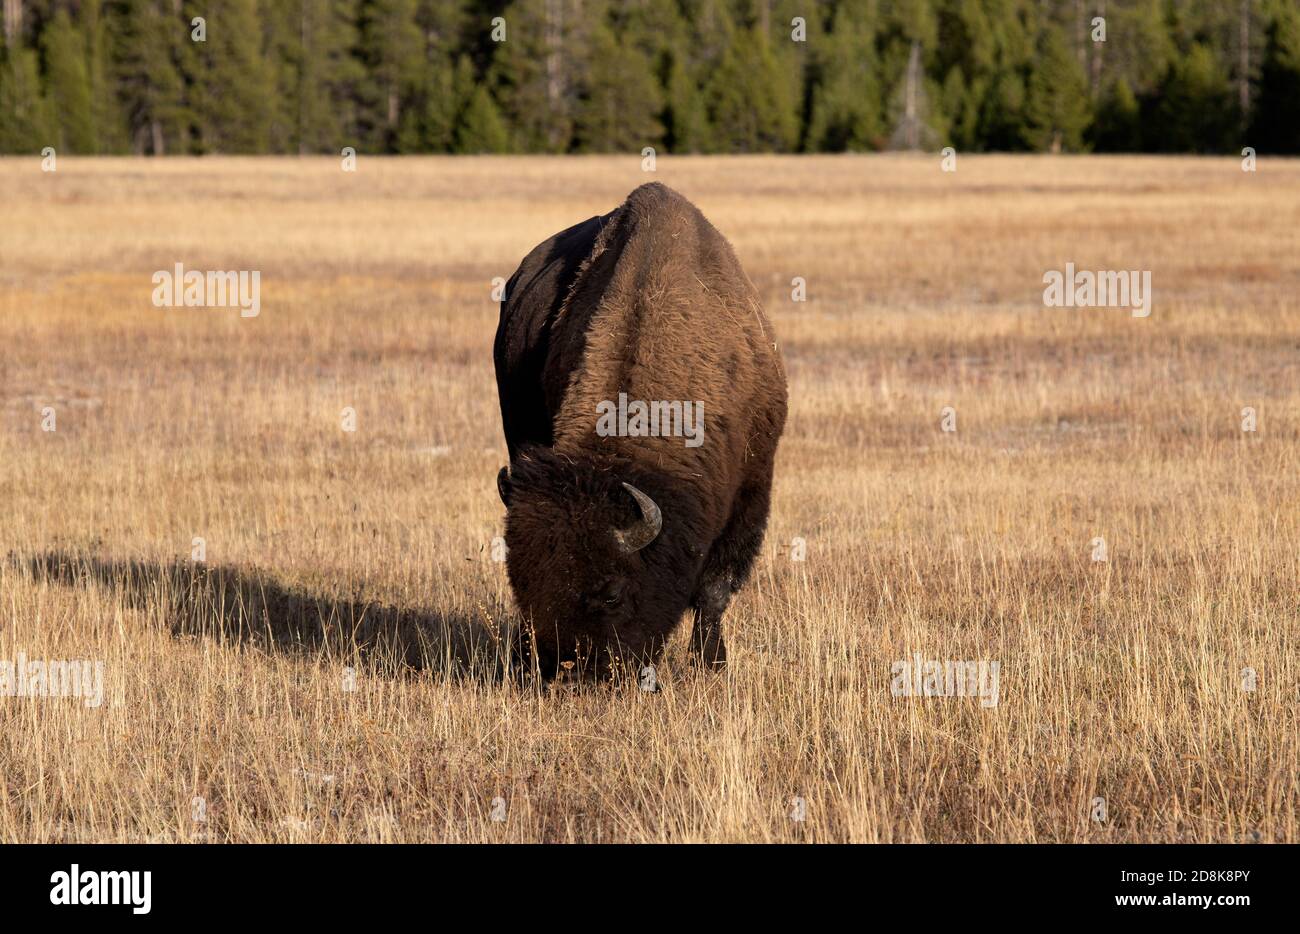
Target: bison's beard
{"points": [[589, 609]]}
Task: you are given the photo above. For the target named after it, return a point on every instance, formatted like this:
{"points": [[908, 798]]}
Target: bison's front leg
{"points": [[728, 564], [707, 646]]}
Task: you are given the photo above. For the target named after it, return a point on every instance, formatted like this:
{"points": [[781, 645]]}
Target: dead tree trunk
{"points": [[13, 12]]}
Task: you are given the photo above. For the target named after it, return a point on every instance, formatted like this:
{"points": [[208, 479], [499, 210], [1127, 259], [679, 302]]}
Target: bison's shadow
{"points": [[248, 607]]}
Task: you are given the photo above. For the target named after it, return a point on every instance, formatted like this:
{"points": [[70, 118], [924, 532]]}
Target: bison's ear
{"points": [[503, 485]]}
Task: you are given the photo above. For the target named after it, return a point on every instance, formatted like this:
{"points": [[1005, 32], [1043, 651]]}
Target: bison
{"points": [[615, 526]]}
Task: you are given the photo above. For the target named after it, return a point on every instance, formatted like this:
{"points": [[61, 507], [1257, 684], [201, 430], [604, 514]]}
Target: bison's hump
{"points": [[654, 204], [655, 196], [659, 226]]}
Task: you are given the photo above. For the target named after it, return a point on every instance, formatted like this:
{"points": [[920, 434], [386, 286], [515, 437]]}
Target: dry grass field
{"points": [[328, 672]]}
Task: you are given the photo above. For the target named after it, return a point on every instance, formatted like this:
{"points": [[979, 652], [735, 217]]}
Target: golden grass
{"points": [[371, 550]]}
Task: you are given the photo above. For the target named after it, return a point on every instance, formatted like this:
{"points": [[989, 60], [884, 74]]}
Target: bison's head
{"points": [[600, 565]]}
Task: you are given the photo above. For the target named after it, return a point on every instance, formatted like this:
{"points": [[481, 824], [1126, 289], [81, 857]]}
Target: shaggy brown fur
{"points": [[650, 301]]}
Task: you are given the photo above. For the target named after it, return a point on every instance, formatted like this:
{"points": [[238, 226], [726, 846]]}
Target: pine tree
{"points": [[108, 128], [1139, 45], [1276, 124], [392, 52], [1197, 111], [429, 119], [535, 72], [1002, 114], [232, 83], [961, 106], [26, 122], [687, 122], [145, 73], [309, 53], [972, 46], [1118, 127], [794, 60], [690, 52], [619, 98], [479, 127], [749, 100], [999, 86], [846, 108], [1057, 111], [68, 85]]}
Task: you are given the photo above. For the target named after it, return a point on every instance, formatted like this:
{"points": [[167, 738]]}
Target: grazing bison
{"points": [[642, 396]]}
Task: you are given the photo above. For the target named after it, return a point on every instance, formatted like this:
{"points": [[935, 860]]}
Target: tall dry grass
{"points": [[328, 551]]}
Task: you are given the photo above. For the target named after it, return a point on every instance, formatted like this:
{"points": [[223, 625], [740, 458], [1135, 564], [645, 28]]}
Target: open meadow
{"points": [[1099, 523]]}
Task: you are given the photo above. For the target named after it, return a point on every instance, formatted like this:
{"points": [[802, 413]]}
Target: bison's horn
{"points": [[503, 485], [644, 532]]}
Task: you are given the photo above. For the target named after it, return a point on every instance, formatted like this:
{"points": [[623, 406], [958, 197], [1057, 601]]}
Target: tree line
{"points": [[712, 76]]}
